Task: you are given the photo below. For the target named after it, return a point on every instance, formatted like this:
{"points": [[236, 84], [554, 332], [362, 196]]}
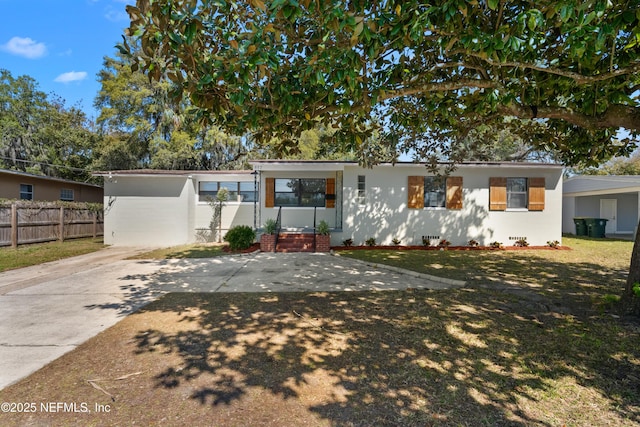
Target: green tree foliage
{"points": [[144, 127], [134, 111], [417, 73], [39, 134], [617, 166]]}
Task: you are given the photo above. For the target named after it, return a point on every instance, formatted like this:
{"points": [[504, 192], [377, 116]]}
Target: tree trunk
{"points": [[630, 301]]}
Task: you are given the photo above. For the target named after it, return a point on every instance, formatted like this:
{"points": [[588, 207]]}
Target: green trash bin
{"points": [[596, 226], [581, 226]]}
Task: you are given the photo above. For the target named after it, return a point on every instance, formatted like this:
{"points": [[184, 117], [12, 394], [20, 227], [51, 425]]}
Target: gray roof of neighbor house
{"points": [[601, 183], [47, 178]]}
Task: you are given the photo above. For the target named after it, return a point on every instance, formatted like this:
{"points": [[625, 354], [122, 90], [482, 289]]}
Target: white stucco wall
{"points": [[166, 210], [147, 210], [385, 215], [234, 212]]}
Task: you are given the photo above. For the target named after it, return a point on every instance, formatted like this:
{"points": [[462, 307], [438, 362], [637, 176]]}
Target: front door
{"points": [[608, 211]]}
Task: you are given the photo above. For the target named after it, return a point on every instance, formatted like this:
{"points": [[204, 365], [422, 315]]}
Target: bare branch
{"points": [[578, 78]]}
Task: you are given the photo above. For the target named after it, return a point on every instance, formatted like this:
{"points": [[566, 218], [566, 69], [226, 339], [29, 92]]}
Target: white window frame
{"points": [[28, 192], [233, 194], [511, 194], [362, 190], [443, 188], [64, 194]]}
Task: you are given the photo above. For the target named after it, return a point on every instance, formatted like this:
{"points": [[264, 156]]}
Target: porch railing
{"points": [[315, 208], [278, 224]]}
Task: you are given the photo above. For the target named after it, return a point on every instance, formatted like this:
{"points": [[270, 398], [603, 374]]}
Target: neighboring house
{"points": [[26, 186], [612, 197], [486, 202]]}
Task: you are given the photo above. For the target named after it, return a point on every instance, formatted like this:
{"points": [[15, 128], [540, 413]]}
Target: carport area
{"points": [[611, 198], [49, 309]]}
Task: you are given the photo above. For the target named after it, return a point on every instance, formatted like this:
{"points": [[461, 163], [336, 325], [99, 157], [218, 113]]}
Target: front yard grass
{"points": [[202, 250], [527, 343], [592, 270], [38, 253]]}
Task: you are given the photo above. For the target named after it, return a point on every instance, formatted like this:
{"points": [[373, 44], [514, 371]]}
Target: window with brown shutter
{"points": [[536, 194], [454, 192], [270, 192], [497, 194], [330, 193], [415, 198]]}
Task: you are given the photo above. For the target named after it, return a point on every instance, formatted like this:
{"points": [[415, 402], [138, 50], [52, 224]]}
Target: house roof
{"points": [[307, 165], [46, 178], [162, 172], [601, 184], [339, 165]]}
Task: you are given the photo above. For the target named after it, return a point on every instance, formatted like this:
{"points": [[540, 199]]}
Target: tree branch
{"points": [[616, 116], [439, 87], [578, 78]]}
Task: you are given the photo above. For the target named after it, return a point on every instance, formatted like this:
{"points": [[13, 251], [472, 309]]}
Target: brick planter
{"points": [[268, 243], [323, 243]]}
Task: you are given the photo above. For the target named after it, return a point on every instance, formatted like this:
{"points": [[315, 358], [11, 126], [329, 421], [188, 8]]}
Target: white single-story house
{"points": [[611, 197], [483, 201]]}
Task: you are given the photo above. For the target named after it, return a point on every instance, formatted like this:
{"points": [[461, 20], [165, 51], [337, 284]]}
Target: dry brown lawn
{"points": [[530, 342], [468, 357]]}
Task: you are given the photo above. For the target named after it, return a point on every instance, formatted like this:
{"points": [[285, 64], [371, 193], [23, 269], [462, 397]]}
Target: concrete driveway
{"points": [[49, 309]]}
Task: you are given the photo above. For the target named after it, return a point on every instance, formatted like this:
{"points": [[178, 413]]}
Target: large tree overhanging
{"points": [[278, 67], [416, 72]]}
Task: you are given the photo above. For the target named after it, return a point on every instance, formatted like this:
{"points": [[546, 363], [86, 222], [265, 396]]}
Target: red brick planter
{"points": [[450, 248], [323, 243], [268, 243]]}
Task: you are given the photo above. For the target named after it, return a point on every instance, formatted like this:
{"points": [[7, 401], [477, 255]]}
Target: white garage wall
{"points": [[147, 210]]}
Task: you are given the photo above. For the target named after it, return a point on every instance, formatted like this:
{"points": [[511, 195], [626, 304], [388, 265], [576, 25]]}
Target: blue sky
{"points": [[61, 44]]}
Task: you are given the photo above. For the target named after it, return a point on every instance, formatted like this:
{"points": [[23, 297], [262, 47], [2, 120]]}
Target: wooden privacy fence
{"points": [[23, 223]]}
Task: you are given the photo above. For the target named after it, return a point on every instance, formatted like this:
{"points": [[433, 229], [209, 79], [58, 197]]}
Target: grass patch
{"points": [[208, 250], [27, 255], [410, 358], [592, 269]]}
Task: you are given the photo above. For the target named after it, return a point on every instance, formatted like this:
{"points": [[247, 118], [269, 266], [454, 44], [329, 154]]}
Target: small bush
{"points": [[522, 243], [323, 228], [426, 241], [371, 241], [473, 243], [270, 226], [495, 244], [240, 237], [396, 241], [347, 242], [553, 244], [444, 243]]}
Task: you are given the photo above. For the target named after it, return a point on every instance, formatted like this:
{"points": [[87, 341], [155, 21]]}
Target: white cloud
{"points": [[116, 14], [24, 46], [71, 76]]}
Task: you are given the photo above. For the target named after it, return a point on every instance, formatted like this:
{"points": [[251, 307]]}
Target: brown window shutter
{"points": [[270, 192], [497, 194], [536, 194], [330, 193], [454, 192], [416, 192]]}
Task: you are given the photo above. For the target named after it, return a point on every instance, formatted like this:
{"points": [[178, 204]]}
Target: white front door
{"points": [[608, 211]]}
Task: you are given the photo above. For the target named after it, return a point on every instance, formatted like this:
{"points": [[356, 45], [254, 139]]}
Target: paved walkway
{"points": [[49, 309]]}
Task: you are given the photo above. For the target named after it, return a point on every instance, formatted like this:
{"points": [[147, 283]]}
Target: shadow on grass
{"points": [[555, 278], [400, 357]]}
